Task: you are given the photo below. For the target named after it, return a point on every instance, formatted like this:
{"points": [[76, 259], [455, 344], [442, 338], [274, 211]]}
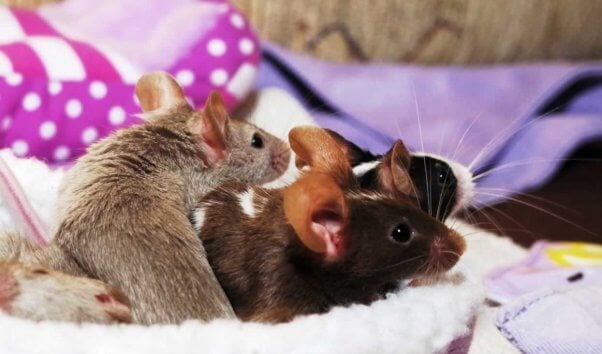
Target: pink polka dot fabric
{"points": [[58, 95]]}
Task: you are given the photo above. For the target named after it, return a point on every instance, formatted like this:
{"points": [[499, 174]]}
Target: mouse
{"points": [[442, 187], [123, 208], [320, 242]]}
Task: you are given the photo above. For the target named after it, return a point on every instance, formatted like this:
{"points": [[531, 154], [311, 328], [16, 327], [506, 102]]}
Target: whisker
{"points": [[465, 133], [543, 211], [441, 139], [511, 125], [400, 263], [428, 195], [520, 225], [526, 195], [496, 225], [528, 162]]}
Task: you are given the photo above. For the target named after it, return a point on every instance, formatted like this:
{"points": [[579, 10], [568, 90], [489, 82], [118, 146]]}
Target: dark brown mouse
{"points": [[320, 242]]}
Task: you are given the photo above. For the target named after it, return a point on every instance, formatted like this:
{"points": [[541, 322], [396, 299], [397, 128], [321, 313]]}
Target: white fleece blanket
{"points": [[414, 320]]}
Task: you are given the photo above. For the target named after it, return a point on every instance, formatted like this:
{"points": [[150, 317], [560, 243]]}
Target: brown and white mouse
{"points": [[318, 243], [123, 209]]}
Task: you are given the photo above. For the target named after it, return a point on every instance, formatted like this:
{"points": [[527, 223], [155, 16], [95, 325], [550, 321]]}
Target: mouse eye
{"points": [[402, 233], [256, 141], [443, 177]]}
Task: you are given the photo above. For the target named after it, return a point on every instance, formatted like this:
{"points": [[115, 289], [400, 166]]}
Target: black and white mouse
{"points": [[443, 187]]}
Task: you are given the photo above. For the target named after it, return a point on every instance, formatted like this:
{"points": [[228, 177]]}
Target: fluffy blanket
{"points": [[418, 320], [414, 320]]}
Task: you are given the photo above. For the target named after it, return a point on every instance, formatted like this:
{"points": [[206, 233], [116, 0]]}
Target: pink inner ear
{"points": [[329, 227], [386, 177], [213, 139]]}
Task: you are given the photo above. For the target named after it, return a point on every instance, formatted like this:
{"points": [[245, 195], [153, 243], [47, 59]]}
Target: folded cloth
{"points": [[69, 68], [549, 265], [521, 119], [555, 321]]}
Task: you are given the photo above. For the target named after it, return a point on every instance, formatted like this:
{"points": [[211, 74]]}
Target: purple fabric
{"points": [[565, 320], [549, 265], [375, 104]]}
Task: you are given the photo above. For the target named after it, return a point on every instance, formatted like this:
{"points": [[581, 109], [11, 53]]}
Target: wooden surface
{"points": [[26, 3], [432, 31], [427, 31]]}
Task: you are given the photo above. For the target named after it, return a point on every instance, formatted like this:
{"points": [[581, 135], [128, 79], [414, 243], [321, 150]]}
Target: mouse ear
{"points": [[315, 207], [394, 173], [354, 153], [159, 91], [211, 125], [316, 148]]}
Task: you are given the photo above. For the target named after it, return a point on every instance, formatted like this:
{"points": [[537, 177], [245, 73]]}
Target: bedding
{"points": [[573, 318], [549, 265]]}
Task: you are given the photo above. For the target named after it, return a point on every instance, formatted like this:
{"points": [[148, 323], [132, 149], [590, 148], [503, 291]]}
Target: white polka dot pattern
{"points": [[54, 117], [31, 102], [185, 77], [6, 122], [216, 47], [218, 77], [89, 135], [73, 108], [61, 153], [47, 130], [246, 46], [98, 90], [20, 147], [54, 88], [116, 115], [237, 21]]}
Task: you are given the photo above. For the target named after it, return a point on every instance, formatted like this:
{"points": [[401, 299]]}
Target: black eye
{"points": [[256, 141], [401, 233], [443, 177]]}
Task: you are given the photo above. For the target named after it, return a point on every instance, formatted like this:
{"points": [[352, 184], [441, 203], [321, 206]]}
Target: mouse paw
{"points": [[37, 293]]}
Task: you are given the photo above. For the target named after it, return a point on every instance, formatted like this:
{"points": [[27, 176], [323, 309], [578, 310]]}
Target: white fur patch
{"points": [[363, 168], [198, 218], [246, 202]]}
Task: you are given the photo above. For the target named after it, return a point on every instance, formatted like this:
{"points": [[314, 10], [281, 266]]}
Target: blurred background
{"points": [[467, 34]]}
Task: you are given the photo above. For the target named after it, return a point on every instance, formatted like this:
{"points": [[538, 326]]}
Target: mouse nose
{"points": [[438, 246], [445, 250]]}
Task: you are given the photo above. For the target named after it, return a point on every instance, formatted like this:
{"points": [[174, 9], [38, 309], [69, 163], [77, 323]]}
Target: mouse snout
{"points": [[445, 251], [280, 158]]}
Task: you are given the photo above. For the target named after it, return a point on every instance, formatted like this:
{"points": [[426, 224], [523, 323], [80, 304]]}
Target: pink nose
{"points": [[438, 245]]}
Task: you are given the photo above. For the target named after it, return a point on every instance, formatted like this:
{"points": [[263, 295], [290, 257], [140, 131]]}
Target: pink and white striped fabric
{"points": [[62, 89]]}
